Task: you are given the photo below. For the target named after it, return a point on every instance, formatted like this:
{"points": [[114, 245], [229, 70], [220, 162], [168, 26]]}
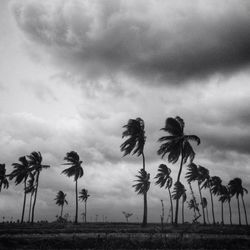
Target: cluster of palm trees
{"points": [[176, 147]]}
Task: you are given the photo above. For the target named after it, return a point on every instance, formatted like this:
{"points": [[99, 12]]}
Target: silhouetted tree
{"points": [[135, 133], [177, 145], [127, 215], [225, 197], [30, 188], [237, 189], [192, 204], [204, 204], [3, 177], [216, 184], [164, 179], [76, 170], [84, 197], [20, 173], [184, 198], [61, 200], [35, 161]]}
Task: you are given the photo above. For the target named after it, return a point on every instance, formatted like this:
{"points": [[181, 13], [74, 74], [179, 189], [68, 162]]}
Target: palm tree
{"points": [[237, 189], [84, 197], [36, 166], [207, 184], [164, 179], [3, 177], [30, 188], [20, 173], [204, 204], [76, 170], [61, 200], [216, 184], [225, 197], [184, 198], [194, 173], [134, 131], [177, 145], [143, 184], [192, 204]]}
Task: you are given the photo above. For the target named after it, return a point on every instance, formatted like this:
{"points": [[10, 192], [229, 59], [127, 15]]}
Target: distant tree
{"points": [[237, 189], [216, 185], [204, 204], [225, 197], [164, 179], [177, 145], [3, 177], [76, 170], [20, 173], [84, 197], [61, 200], [135, 134], [35, 161], [127, 215]]}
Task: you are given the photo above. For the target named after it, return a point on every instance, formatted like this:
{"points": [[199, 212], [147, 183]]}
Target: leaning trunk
{"points": [[230, 212], [202, 206], [212, 203], [76, 217], [145, 206], [183, 212], [24, 200], [31, 195], [172, 209], [222, 214], [34, 202], [244, 209], [208, 221], [238, 203], [61, 211], [177, 200]]}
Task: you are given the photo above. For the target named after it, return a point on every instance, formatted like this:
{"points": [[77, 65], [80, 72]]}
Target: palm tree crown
{"points": [[236, 187], [163, 177], [61, 198], [3, 177], [143, 183], [84, 195]]}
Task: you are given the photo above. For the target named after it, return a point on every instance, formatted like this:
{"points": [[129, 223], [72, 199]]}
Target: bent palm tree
{"points": [[76, 170], [134, 131], [20, 173], [143, 184], [3, 178], [84, 197], [36, 166], [177, 145], [216, 184], [164, 179], [30, 189], [237, 189], [61, 200]]}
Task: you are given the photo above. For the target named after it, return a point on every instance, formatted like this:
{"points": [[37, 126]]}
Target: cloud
{"points": [[156, 41]]}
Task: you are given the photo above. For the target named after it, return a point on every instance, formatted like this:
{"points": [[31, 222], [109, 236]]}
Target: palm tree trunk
{"points": [[207, 216], [31, 195], [76, 217], [212, 203], [172, 209], [238, 203], [85, 211], [61, 211], [244, 209], [34, 201], [177, 200], [222, 214], [24, 200], [202, 206], [145, 205], [230, 212], [182, 212]]}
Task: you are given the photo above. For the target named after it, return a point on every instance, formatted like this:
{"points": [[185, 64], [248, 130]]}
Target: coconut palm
{"points": [[225, 197], [84, 197], [3, 177], [237, 189], [194, 173], [216, 184], [207, 184], [20, 173], [135, 134], [61, 200], [164, 179], [30, 188], [75, 170], [177, 145], [35, 161]]}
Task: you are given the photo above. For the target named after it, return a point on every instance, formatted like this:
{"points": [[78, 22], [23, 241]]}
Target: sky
{"points": [[73, 72]]}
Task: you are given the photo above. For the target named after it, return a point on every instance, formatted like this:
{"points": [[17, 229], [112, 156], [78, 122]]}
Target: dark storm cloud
{"points": [[153, 40]]}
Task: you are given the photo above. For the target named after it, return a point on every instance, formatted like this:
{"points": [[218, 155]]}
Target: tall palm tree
{"points": [[177, 145], [207, 184], [135, 134], [164, 179], [20, 173], [237, 189], [84, 197], [61, 200], [3, 177], [204, 204], [35, 161], [143, 184], [225, 197], [30, 188], [194, 173], [76, 170]]}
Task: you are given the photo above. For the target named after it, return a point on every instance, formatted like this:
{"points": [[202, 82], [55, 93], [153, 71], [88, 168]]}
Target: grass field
{"points": [[122, 236]]}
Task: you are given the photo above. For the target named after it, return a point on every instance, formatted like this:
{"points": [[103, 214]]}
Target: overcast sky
{"points": [[73, 72]]}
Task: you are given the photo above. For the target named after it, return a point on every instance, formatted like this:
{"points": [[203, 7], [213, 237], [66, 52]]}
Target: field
{"points": [[122, 236]]}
